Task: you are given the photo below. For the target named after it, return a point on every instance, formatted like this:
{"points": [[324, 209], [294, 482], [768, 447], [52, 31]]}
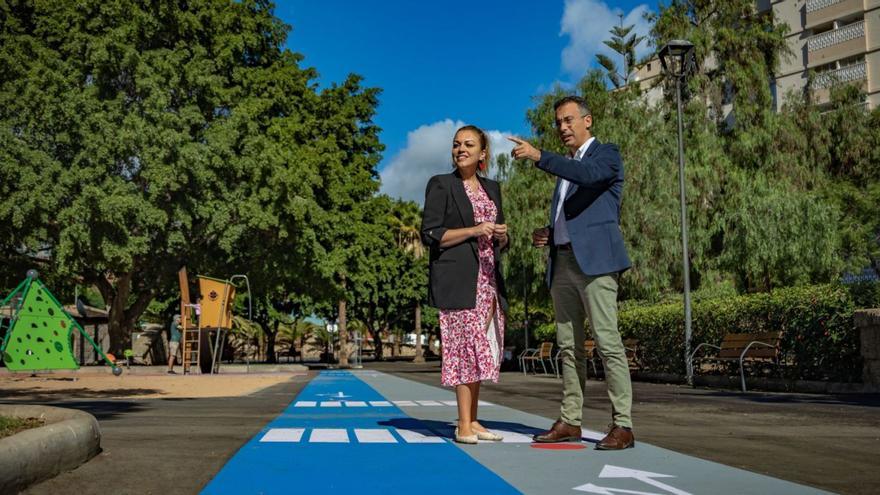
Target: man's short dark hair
{"points": [[581, 103]]}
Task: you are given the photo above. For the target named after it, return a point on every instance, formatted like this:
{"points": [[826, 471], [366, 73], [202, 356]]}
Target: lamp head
{"points": [[676, 57]]}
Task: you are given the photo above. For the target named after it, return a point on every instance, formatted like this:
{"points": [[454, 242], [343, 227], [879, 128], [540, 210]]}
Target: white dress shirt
{"points": [[560, 230]]}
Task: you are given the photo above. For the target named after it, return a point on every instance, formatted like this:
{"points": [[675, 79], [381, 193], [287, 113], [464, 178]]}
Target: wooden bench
{"points": [[743, 348], [593, 356]]}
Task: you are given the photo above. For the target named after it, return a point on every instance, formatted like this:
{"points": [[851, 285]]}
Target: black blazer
{"points": [[453, 270]]}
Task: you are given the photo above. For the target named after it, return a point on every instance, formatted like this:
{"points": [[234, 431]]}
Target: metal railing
{"points": [[830, 38], [814, 5], [846, 74]]}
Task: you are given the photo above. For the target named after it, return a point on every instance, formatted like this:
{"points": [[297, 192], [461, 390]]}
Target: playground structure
{"points": [[39, 334], [205, 323]]}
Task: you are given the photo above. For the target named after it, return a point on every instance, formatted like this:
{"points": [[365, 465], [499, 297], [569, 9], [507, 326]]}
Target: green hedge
{"points": [[817, 323]]}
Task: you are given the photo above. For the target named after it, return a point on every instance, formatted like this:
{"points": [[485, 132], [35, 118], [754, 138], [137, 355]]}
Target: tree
{"points": [[139, 137], [624, 44]]}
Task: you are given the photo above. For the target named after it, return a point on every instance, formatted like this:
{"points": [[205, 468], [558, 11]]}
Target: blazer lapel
{"points": [[572, 187], [461, 201], [554, 204]]}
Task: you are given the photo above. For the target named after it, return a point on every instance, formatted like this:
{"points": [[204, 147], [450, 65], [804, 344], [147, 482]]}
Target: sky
{"points": [[443, 64]]}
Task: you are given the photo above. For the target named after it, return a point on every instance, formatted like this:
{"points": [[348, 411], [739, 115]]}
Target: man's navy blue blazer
{"points": [[591, 208]]}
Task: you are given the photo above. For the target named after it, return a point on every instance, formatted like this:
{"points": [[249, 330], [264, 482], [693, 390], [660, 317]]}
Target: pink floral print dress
{"points": [[472, 344]]}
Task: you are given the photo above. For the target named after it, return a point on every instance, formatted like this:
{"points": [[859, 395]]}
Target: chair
{"points": [[543, 354], [521, 358], [594, 356]]}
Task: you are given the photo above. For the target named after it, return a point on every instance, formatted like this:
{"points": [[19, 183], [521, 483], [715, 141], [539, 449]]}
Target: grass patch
{"points": [[10, 426]]}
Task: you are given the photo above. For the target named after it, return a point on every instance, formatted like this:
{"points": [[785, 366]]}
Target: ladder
{"points": [[190, 335]]}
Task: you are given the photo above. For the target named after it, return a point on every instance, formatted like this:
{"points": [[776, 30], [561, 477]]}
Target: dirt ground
{"points": [[140, 386]]}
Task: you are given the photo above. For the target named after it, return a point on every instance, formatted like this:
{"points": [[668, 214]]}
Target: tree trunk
{"points": [[121, 319], [343, 334], [377, 344], [419, 357], [270, 344]]}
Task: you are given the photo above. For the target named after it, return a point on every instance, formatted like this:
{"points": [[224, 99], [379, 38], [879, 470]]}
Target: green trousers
{"points": [[577, 297]]}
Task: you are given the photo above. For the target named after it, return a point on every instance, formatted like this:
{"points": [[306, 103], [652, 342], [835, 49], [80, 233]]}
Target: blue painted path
{"points": [[369, 432], [341, 434]]}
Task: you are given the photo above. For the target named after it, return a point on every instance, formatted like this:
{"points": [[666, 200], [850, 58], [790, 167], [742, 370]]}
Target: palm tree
{"points": [[407, 220]]}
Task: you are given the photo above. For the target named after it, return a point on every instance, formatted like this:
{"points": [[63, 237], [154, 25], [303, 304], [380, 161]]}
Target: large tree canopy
{"points": [[136, 137]]}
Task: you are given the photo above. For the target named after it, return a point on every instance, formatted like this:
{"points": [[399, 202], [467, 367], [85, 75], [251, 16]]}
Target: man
{"points": [[173, 343], [587, 256]]}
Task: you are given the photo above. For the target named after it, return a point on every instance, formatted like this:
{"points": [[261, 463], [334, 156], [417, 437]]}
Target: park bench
{"points": [[594, 357], [752, 349]]}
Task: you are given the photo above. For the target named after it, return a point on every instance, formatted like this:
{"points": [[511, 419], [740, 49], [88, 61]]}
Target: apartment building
{"points": [[839, 40]]}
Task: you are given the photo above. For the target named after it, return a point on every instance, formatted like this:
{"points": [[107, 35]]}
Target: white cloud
{"points": [[587, 23], [428, 152]]}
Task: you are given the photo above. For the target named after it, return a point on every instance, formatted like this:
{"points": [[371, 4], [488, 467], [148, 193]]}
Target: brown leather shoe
{"points": [[559, 432], [618, 438]]}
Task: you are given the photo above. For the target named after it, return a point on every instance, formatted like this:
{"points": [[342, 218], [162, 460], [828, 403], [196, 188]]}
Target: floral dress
{"points": [[472, 344]]}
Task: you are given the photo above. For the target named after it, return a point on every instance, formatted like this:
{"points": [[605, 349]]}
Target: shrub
{"points": [[819, 337]]}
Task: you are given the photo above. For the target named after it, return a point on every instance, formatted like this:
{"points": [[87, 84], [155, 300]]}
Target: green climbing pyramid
{"points": [[40, 335]]}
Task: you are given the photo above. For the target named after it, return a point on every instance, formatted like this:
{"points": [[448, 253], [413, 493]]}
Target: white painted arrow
{"points": [[604, 490], [643, 476], [338, 395]]}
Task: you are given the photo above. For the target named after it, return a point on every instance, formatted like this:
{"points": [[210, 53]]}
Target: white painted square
{"points": [[380, 403], [331, 403], [513, 437], [355, 403], [419, 436], [329, 435], [449, 402], [283, 435], [429, 403], [365, 435], [305, 403], [402, 403]]}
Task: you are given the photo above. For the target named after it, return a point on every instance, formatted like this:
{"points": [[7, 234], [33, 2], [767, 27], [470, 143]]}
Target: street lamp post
{"points": [[677, 59]]}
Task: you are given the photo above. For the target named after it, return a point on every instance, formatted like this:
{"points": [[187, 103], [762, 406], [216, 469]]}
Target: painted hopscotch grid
{"points": [[381, 403], [374, 435]]}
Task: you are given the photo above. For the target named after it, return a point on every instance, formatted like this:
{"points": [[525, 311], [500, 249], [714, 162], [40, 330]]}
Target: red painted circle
{"points": [[558, 446]]}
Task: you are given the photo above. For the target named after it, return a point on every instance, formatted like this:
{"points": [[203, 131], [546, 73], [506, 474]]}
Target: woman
{"points": [[463, 226]]}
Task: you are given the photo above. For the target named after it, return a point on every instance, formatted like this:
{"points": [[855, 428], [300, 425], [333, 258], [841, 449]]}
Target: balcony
{"points": [[850, 73], [825, 11], [814, 5], [836, 44], [830, 38]]}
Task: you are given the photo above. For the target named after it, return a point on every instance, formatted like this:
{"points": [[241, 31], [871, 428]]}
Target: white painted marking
{"points": [[604, 490], [283, 435], [644, 476], [428, 403], [380, 403], [329, 435], [513, 437], [305, 403], [449, 402], [337, 395], [355, 403], [331, 404], [374, 436], [484, 403], [419, 436], [401, 403]]}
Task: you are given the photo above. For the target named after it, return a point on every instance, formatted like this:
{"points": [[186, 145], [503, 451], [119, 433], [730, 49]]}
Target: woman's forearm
{"points": [[453, 237]]}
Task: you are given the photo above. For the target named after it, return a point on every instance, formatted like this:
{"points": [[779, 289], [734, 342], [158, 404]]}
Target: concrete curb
{"points": [[68, 439]]}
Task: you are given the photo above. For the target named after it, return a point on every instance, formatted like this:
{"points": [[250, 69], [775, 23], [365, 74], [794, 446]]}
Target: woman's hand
{"points": [[500, 231], [486, 229]]}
